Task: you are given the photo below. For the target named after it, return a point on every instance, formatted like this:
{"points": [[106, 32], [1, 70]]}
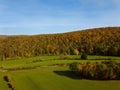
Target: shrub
{"points": [[7, 78], [84, 56], [107, 70], [10, 85], [76, 67]]}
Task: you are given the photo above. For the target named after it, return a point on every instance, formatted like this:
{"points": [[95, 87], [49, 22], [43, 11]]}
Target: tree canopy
{"points": [[97, 41]]}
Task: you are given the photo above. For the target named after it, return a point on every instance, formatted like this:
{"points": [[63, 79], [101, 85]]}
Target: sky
{"points": [[56, 16]]}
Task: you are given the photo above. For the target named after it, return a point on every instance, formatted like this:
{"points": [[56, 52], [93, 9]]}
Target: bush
{"points": [[84, 56], [107, 70], [7, 78], [10, 85]]}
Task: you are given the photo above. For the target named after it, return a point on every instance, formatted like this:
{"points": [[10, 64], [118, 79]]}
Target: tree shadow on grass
{"points": [[72, 75], [67, 74]]}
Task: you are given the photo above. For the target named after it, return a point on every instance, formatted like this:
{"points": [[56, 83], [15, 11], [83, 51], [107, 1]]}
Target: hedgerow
{"points": [[106, 70], [8, 79]]}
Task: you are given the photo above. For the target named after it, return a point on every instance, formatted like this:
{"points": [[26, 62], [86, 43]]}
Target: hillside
{"points": [[97, 41]]}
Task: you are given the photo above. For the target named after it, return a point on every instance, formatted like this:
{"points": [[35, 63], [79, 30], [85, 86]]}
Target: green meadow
{"points": [[51, 73]]}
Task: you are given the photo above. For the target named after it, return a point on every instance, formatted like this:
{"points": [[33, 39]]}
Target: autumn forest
{"points": [[97, 41]]}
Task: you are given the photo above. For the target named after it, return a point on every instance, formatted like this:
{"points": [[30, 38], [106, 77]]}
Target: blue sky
{"points": [[56, 16]]}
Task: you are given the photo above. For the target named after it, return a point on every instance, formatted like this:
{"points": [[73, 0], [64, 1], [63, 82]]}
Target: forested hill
{"points": [[100, 41]]}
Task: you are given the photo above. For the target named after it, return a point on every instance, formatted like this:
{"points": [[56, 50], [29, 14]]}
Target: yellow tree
{"points": [[76, 52]]}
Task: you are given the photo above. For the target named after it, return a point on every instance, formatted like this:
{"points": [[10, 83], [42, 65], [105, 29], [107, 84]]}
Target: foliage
{"points": [[106, 70], [84, 56], [100, 41], [76, 52], [8, 79]]}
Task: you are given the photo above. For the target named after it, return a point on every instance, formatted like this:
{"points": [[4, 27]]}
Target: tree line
{"points": [[97, 41]]}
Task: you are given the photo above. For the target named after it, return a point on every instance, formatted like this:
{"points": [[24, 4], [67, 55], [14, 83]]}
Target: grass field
{"points": [[51, 77], [47, 60], [57, 78]]}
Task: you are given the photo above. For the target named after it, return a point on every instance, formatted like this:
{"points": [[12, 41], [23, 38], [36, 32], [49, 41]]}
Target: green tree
{"points": [[84, 56]]}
